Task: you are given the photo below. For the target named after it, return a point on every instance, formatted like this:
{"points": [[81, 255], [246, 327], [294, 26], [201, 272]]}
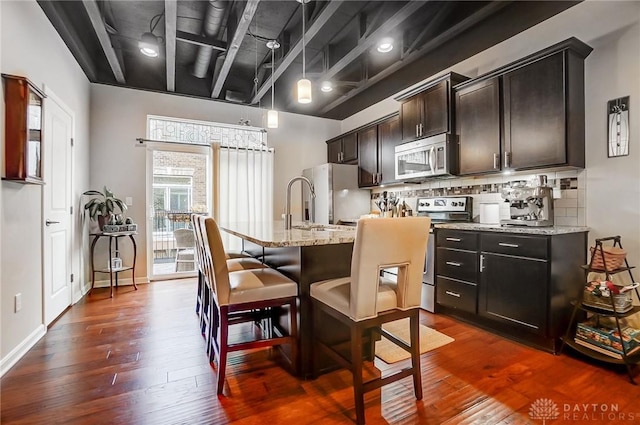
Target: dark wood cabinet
{"points": [[388, 138], [368, 156], [478, 127], [23, 130], [539, 101], [523, 284], [513, 290], [343, 150], [428, 111], [376, 152], [528, 114]]}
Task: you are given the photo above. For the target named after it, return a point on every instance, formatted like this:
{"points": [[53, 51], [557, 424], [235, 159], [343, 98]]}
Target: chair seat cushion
{"points": [[335, 293], [260, 285], [185, 255], [237, 264]]}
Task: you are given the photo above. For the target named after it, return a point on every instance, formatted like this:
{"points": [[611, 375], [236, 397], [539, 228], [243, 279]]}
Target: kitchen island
{"points": [[305, 254]]}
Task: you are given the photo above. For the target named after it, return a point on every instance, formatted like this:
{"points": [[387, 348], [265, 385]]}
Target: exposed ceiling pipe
{"points": [[214, 16]]}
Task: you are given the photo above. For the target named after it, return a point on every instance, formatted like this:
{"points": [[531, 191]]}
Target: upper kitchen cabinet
{"points": [[528, 114], [427, 110], [544, 111], [478, 126], [23, 130], [343, 150], [376, 152]]}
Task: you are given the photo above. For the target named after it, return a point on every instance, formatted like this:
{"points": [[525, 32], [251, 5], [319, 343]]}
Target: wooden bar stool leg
{"points": [[223, 334], [356, 365], [415, 353]]}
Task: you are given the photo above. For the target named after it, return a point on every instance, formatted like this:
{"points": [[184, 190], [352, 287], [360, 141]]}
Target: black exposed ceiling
{"points": [[341, 39]]}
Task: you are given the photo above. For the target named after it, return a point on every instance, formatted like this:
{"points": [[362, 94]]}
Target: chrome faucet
{"points": [[287, 217]]}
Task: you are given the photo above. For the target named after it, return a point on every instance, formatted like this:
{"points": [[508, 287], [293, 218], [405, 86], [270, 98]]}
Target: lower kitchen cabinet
{"points": [[517, 285], [514, 291]]}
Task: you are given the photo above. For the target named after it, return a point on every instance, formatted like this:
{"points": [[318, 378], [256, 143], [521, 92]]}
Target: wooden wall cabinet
{"points": [[23, 130], [429, 111], [343, 150], [526, 115], [376, 152], [478, 127]]}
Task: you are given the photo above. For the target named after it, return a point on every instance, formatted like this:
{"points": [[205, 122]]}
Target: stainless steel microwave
{"points": [[429, 157]]}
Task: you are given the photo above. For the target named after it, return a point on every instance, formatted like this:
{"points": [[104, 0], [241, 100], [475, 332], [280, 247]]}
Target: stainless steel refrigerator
{"points": [[338, 199]]}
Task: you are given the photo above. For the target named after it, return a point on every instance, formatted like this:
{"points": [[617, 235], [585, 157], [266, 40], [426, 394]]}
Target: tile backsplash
{"points": [[569, 193]]}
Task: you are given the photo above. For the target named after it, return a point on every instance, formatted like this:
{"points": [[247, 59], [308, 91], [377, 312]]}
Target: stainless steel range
{"points": [[441, 209]]}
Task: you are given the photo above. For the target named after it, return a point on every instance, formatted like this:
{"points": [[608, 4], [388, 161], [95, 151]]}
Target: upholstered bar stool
{"points": [[365, 301], [204, 286], [243, 296]]}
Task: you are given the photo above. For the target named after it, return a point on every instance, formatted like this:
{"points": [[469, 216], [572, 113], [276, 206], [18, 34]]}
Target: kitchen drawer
{"points": [[461, 265], [521, 246], [455, 294], [457, 239]]}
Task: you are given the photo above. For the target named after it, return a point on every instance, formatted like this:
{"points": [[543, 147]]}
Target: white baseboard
{"points": [[17, 353], [121, 282]]}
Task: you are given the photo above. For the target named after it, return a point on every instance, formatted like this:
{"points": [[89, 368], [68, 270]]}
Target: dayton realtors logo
{"points": [[546, 409]]}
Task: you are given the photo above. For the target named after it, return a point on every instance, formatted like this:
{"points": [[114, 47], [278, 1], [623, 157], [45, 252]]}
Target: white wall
{"points": [[31, 47], [612, 70], [119, 116]]}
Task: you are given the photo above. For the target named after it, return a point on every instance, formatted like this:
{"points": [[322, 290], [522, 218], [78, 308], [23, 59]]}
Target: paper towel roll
{"points": [[490, 213]]}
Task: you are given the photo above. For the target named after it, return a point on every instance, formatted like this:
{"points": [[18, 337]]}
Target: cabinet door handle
{"points": [[379, 178], [453, 294], [417, 134], [507, 159], [496, 161], [453, 263], [421, 129], [481, 263], [49, 222], [454, 239], [508, 245]]}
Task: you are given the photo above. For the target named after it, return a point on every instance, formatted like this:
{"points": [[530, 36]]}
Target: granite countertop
{"points": [[554, 230], [273, 234]]}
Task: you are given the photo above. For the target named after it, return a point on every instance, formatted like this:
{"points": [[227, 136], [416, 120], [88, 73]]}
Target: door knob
{"points": [[49, 222]]}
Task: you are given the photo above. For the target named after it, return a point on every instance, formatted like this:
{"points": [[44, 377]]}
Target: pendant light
{"points": [[304, 85], [272, 114]]}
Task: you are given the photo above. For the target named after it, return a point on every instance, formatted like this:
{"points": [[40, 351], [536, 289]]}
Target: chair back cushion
{"points": [[214, 253], [384, 243]]}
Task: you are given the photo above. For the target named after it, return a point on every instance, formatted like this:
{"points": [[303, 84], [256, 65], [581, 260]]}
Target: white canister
{"points": [[490, 213]]}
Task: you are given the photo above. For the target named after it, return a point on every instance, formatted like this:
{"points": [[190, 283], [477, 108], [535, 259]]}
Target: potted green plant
{"points": [[103, 205]]}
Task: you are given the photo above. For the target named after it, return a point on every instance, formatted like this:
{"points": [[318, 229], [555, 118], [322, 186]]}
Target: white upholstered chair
{"points": [[242, 296], [235, 262], [364, 301]]}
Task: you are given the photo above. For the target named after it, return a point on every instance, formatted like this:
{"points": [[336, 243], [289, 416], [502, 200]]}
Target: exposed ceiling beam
{"points": [[447, 35], [70, 37], [201, 40], [234, 46], [369, 41], [170, 28], [105, 41], [329, 10]]}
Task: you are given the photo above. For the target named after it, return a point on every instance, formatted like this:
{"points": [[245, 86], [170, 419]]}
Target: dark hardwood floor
{"points": [[139, 359]]}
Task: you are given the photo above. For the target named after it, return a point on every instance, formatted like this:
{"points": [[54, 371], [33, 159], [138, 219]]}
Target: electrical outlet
{"points": [[18, 301], [128, 201]]}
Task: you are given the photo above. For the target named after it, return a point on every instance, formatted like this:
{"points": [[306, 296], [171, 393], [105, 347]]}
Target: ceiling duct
{"points": [[214, 16]]}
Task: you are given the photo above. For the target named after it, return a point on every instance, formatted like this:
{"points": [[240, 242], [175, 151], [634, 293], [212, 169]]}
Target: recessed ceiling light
{"points": [[326, 86], [385, 45], [148, 45]]}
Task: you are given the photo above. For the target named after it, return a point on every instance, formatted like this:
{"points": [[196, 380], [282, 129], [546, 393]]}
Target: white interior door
{"points": [[56, 214]]}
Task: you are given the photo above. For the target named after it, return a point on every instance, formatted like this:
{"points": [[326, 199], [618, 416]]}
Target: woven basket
{"points": [[613, 258]]}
